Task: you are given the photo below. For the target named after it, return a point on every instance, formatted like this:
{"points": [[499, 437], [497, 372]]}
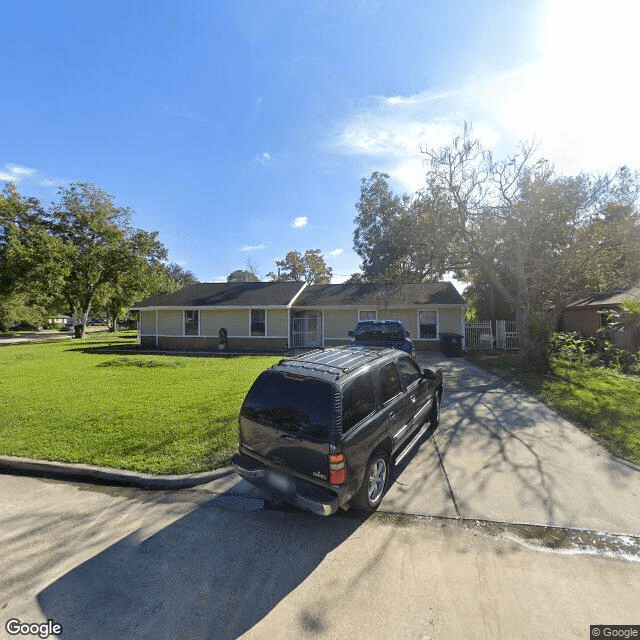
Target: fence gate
{"points": [[506, 334], [478, 335]]}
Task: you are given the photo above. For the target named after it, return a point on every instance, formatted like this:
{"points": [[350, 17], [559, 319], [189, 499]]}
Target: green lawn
{"points": [[158, 414], [602, 402]]}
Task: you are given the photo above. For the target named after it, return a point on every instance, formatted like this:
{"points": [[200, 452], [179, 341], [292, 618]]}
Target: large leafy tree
{"points": [[308, 267], [536, 236], [103, 252], [398, 238], [178, 277], [32, 262], [242, 275], [139, 275]]}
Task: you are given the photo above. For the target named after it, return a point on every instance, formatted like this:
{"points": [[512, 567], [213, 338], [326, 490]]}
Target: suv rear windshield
{"points": [[378, 330], [302, 406]]}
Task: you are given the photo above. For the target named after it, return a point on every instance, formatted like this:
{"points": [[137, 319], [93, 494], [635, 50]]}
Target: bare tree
{"points": [[522, 225]]}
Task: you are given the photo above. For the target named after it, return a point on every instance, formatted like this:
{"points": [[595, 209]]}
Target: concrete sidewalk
{"points": [[110, 563], [501, 455]]}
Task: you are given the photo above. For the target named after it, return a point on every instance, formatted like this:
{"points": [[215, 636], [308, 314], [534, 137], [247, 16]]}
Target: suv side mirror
{"points": [[429, 374], [408, 333]]}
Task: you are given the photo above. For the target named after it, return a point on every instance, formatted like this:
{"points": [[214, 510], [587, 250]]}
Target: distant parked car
{"points": [[24, 326], [383, 333]]}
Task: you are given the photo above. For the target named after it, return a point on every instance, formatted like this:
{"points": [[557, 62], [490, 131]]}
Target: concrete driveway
{"points": [[501, 455]]}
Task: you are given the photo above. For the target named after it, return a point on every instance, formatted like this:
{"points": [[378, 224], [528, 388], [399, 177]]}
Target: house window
{"points": [[368, 316], [258, 322], [428, 324], [191, 322]]}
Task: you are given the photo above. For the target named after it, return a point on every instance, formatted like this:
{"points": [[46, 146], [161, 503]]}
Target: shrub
{"points": [[571, 346], [594, 351]]}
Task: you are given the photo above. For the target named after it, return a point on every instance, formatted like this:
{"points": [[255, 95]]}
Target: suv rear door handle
{"points": [[393, 415]]}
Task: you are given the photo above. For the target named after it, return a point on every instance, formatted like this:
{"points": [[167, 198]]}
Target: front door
{"points": [[307, 329]]}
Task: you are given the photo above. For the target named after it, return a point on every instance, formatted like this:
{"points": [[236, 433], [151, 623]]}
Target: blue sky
{"points": [[241, 130]]}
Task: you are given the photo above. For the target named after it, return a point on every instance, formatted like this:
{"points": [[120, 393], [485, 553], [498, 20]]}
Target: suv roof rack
{"points": [[335, 361]]}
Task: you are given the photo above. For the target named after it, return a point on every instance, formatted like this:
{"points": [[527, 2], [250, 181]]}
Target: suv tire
{"points": [[376, 479]]}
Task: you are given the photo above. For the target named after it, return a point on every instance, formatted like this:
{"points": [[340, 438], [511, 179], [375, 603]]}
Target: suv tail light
{"points": [[337, 469]]}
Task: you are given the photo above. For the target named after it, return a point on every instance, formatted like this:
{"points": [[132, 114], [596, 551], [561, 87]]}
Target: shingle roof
{"points": [[268, 294], [223, 294], [608, 298], [420, 294]]}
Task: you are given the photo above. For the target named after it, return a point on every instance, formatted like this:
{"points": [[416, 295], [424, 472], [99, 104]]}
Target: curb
{"points": [[106, 475]]}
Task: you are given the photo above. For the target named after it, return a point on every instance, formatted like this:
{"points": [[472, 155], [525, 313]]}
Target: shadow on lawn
{"points": [[108, 348]]}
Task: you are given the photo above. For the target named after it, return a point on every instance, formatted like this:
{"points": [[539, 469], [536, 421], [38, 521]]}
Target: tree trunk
{"points": [[532, 343], [80, 320]]}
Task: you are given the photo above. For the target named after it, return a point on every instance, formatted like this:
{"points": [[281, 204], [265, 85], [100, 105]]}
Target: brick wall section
{"points": [[253, 345], [250, 345]]}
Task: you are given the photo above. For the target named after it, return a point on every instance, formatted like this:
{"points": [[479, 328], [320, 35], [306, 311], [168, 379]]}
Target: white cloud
{"points": [[299, 222], [16, 172], [392, 131], [262, 158], [579, 99], [335, 252], [255, 247]]}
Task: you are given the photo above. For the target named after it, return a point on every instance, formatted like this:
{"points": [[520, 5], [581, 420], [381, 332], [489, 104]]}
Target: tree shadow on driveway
{"points": [[510, 458], [213, 573]]}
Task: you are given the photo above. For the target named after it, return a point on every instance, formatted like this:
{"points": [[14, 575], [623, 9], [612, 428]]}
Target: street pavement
{"points": [[467, 561], [119, 563]]}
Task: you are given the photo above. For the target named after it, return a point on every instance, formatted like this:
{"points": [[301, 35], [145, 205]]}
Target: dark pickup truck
{"points": [[323, 429], [383, 333]]}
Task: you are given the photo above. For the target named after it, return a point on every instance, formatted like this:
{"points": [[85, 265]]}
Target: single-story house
{"points": [[61, 318], [264, 316], [591, 313]]}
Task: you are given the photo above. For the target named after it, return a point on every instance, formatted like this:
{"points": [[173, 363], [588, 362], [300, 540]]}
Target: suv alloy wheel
{"points": [[375, 482]]}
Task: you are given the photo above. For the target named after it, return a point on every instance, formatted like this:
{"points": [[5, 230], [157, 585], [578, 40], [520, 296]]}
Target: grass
{"points": [[65, 401], [602, 402]]}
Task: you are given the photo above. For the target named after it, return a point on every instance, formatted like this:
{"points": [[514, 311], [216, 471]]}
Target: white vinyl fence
{"points": [[479, 335], [506, 334]]}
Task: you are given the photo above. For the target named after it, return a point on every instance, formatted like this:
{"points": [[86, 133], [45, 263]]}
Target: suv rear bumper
{"points": [[302, 494]]}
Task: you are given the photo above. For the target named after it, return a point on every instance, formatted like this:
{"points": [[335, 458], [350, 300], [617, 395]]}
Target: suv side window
{"points": [[358, 401], [409, 371], [389, 382]]}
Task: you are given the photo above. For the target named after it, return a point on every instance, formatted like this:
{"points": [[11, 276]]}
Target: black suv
{"points": [[322, 430]]}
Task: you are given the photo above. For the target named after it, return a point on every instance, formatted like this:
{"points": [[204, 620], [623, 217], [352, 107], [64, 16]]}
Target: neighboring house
{"points": [[61, 318], [591, 314], [263, 316]]}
